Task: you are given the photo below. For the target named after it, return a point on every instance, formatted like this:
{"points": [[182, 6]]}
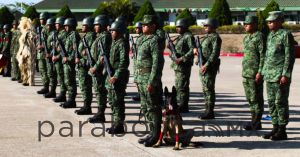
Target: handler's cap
{"points": [[275, 15], [149, 19], [250, 19]]}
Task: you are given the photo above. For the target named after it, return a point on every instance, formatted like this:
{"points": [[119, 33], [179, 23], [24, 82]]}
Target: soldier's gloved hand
{"points": [[203, 69], [77, 61], [284, 80], [92, 70], [179, 60], [258, 78], [113, 80], [150, 89]]}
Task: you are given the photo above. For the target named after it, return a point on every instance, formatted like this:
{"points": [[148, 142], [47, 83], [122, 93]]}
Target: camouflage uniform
{"points": [[253, 61], [15, 71], [6, 43], [211, 45], [184, 47]]}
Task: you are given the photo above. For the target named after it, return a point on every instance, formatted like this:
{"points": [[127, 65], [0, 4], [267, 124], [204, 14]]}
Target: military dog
{"points": [[172, 131]]}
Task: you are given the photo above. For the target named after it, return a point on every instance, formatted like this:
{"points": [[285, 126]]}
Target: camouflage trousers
{"points": [[59, 69], [254, 94], [152, 102], [70, 80], [42, 64], [85, 84], [100, 91], [15, 70], [116, 100], [278, 102], [52, 75], [208, 85], [182, 83]]}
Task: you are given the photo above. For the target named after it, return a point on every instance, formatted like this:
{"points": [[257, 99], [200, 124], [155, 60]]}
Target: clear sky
{"points": [[13, 1]]}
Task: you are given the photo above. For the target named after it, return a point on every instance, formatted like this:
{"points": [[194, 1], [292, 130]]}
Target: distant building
{"points": [[170, 8]]}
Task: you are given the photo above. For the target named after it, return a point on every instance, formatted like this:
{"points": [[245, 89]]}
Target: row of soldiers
{"points": [[101, 58]]}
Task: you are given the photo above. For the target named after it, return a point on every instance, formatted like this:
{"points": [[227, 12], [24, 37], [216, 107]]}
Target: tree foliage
{"points": [[221, 12], [65, 12], [187, 14], [6, 17], [262, 15], [146, 9]]}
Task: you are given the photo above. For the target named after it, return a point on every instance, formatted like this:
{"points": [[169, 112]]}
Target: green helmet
{"points": [[6, 26], [88, 21], [182, 23], [50, 21], [44, 15], [70, 22], [138, 25], [121, 19], [101, 20], [60, 20], [118, 26], [211, 22]]}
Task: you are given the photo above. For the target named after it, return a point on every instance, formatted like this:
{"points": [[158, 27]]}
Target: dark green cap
{"points": [[251, 19], [275, 15], [149, 19]]}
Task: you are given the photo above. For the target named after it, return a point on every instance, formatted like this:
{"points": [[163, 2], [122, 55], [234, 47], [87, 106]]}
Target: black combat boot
{"points": [[44, 90], [116, 128], [99, 117], [251, 124], [85, 110], [155, 136], [60, 98], [274, 130], [280, 134], [147, 137], [25, 84], [210, 114], [70, 103], [257, 124], [51, 93], [13, 79], [20, 81]]}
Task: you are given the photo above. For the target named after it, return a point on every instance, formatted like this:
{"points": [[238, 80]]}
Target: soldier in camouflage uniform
{"points": [[183, 64], [211, 45], [71, 46], [103, 36], [277, 72], [57, 59], [15, 71], [149, 65], [253, 61], [50, 65], [6, 49], [116, 84], [41, 55], [85, 80]]}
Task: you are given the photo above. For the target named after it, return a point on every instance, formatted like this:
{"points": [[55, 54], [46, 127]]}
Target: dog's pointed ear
{"points": [[174, 90], [166, 90]]}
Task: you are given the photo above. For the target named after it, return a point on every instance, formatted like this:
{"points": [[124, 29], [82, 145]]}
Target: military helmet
{"points": [[138, 25], [88, 21], [182, 23], [44, 15], [6, 26], [121, 19], [60, 20], [70, 22], [118, 26], [211, 22], [101, 20], [50, 21]]}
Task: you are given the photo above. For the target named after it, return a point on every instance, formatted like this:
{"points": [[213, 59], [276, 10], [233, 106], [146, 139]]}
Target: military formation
{"points": [[99, 58]]}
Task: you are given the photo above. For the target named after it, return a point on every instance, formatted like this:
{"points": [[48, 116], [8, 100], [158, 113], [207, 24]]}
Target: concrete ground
{"points": [[26, 115]]}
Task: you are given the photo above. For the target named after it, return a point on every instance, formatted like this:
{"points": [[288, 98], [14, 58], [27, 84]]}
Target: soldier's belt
{"points": [[144, 70]]}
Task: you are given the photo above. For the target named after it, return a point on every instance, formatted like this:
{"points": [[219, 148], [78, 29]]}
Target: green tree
{"points": [[146, 9], [6, 17], [104, 8], [31, 13], [187, 14], [262, 15], [221, 12], [65, 12], [124, 8]]}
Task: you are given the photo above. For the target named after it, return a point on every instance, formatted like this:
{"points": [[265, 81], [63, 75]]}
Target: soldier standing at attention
{"points": [[148, 71], [50, 65], [103, 36], [57, 59], [7, 36], [85, 80], [183, 64], [211, 45], [277, 72], [41, 56], [71, 46], [116, 85], [253, 61], [15, 71]]}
